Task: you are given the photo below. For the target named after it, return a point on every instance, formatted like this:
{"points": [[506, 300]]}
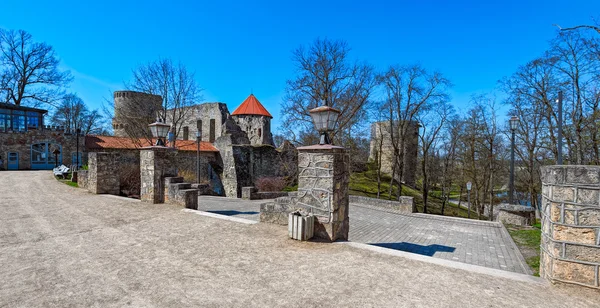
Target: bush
{"points": [[187, 175], [129, 175], [271, 184]]}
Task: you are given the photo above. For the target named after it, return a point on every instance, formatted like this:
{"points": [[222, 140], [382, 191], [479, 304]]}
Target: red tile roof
{"points": [[251, 106], [111, 142]]}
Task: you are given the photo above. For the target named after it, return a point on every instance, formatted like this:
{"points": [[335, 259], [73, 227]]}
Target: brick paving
{"points": [[469, 241]]}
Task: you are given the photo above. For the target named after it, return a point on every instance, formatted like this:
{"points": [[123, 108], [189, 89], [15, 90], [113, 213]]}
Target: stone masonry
{"points": [[381, 136], [21, 142], [103, 173], [323, 178], [570, 248], [154, 167]]}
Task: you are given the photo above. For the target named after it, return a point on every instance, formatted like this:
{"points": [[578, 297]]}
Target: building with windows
{"points": [[26, 143]]}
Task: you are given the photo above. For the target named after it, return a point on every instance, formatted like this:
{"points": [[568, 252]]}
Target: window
{"points": [[199, 125], [186, 133], [259, 133], [33, 120], [4, 120], [212, 131], [18, 120]]}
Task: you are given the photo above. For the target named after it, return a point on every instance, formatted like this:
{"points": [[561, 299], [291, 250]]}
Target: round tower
{"points": [[131, 108], [254, 119]]}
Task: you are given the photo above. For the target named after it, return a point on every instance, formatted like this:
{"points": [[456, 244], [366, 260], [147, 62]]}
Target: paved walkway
{"points": [[469, 241], [63, 247]]}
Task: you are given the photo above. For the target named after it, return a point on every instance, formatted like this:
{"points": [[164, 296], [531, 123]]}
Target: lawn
{"points": [[528, 240], [67, 180], [365, 184]]}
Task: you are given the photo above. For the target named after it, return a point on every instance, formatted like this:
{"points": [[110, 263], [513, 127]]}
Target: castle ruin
{"points": [[381, 138]]}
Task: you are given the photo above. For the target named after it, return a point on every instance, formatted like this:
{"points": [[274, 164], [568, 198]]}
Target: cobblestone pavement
{"points": [[469, 241]]}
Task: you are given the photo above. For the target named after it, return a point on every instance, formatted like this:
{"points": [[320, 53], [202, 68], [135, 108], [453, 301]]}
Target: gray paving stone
{"points": [[469, 241]]}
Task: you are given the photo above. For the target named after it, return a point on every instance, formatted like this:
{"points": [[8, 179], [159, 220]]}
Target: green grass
{"points": [[67, 180], [365, 184], [528, 240]]}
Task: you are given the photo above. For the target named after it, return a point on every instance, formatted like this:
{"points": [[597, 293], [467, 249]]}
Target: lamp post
{"points": [[469, 199], [56, 152], [159, 131], [77, 132], [198, 139], [560, 132], [324, 118], [514, 122]]}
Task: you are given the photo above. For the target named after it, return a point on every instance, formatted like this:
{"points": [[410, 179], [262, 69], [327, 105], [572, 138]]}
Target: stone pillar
{"points": [[155, 165], [570, 248], [103, 173], [323, 189]]}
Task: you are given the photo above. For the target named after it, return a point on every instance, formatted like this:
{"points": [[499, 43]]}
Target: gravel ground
{"points": [[63, 247]]}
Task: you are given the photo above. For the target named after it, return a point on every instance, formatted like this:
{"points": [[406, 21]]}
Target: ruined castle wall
{"points": [[132, 106], [258, 128], [212, 116], [380, 133]]}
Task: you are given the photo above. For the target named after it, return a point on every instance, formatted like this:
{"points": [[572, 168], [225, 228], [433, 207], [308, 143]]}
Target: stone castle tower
{"points": [[254, 119], [133, 106], [380, 136]]}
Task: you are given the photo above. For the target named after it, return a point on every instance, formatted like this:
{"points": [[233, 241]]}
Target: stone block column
{"points": [[155, 165], [323, 189], [103, 173], [570, 248]]}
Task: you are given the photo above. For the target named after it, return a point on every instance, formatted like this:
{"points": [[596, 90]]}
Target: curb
{"points": [[447, 263], [219, 216]]}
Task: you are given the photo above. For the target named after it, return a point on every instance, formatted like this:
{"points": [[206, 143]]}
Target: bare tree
{"points": [[174, 83], [449, 163], [73, 114], [29, 71], [409, 91], [431, 126], [326, 75]]}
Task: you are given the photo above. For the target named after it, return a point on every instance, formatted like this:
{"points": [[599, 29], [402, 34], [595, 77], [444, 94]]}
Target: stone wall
{"points": [[21, 143], [380, 133], [515, 214], [103, 173], [252, 193], [132, 106], [244, 164], [406, 205], [323, 178], [206, 112], [154, 167], [257, 128], [82, 179], [570, 248]]}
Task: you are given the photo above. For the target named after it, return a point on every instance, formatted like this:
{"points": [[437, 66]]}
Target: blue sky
{"points": [[239, 46]]}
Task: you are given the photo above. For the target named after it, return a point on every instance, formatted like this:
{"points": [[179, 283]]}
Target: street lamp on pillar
{"points": [[198, 140], [159, 131], [324, 118], [514, 123], [469, 184]]}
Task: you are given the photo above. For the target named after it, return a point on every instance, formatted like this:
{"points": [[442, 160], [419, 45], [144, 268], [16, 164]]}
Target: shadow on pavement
{"points": [[429, 250], [233, 213]]}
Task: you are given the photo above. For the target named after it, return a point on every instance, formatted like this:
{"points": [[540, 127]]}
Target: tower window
{"points": [[259, 133], [186, 133], [212, 131]]}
